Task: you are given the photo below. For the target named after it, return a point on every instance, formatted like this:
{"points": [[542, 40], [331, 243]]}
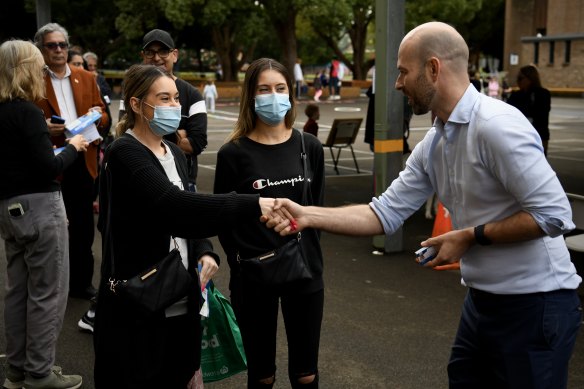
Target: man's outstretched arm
{"points": [[358, 220]]}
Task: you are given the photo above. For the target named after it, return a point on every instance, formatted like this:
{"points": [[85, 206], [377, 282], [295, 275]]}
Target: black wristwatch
{"points": [[480, 238]]}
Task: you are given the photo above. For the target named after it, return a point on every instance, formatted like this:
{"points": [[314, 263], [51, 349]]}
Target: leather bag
{"points": [[158, 287], [282, 266]]}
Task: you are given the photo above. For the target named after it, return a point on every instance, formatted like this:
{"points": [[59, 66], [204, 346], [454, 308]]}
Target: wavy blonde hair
{"points": [[21, 71]]}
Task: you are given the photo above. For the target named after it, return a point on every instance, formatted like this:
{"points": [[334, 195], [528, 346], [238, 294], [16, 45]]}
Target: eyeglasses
{"points": [[162, 53], [54, 45]]}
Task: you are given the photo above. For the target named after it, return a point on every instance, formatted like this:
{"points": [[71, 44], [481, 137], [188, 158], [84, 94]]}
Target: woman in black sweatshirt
{"points": [[263, 156]]}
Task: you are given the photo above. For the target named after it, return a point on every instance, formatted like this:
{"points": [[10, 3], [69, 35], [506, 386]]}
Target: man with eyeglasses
{"points": [[71, 93], [158, 49]]}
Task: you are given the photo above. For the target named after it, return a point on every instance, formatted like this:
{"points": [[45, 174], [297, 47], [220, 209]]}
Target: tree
{"points": [[480, 22], [234, 43], [282, 14], [332, 19]]}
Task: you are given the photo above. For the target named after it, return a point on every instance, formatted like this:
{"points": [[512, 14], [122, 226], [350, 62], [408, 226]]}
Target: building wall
{"points": [[563, 17]]}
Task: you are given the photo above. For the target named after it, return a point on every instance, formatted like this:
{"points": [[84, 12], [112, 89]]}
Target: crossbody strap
{"points": [[109, 238], [304, 167]]}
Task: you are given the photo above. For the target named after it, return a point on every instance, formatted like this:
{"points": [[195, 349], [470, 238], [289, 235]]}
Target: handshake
{"points": [[284, 216]]}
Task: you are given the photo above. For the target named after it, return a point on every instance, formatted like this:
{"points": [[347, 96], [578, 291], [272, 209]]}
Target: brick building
{"points": [[549, 34]]}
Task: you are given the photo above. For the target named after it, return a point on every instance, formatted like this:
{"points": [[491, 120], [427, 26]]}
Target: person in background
{"points": [[71, 93], [534, 101], [313, 113], [485, 162], [336, 73], [317, 85], [75, 59], [493, 88], [148, 203], [474, 80], [324, 81], [264, 148], [210, 94], [505, 89], [298, 78], [33, 224], [90, 59], [370, 118], [158, 49]]}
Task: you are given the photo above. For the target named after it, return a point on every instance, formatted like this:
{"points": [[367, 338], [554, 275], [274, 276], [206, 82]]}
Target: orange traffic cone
{"points": [[443, 224]]}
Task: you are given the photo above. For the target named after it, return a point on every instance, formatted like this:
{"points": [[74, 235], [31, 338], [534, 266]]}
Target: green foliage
{"points": [[114, 28], [454, 12]]}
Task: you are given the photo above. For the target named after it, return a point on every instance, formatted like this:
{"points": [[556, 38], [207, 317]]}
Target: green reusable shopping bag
{"points": [[222, 348]]}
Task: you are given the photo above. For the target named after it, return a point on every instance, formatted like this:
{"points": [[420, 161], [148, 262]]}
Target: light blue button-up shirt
{"points": [[486, 163]]}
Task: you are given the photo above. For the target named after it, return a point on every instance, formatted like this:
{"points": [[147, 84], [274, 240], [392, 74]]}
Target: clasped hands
{"points": [[282, 215]]}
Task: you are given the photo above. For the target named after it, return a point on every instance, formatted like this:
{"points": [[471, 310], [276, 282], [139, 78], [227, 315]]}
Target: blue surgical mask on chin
{"points": [[272, 108], [166, 119]]}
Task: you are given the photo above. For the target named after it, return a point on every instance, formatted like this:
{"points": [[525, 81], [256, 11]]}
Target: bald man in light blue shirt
{"points": [[486, 163]]}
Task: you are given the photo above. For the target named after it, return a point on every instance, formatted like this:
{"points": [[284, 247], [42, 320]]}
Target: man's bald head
{"points": [[436, 39]]}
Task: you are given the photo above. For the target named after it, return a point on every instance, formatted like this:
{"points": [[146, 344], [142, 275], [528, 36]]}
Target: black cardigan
{"points": [[146, 210]]}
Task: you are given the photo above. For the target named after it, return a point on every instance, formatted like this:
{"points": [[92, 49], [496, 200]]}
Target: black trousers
{"points": [[256, 308], [77, 187]]}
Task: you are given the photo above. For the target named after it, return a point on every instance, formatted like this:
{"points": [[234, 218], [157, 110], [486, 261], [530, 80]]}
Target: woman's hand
{"points": [[79, 142], [208, 269]]}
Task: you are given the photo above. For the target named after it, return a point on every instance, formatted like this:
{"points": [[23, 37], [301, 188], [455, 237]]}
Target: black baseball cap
{"points": [[158, 36]]}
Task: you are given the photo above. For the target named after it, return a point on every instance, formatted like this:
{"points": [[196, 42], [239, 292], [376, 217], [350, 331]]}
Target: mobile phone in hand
{"points": [[425, 255], [57, 119]]}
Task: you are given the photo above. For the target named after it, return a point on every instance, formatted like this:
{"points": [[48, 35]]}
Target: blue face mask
{"points": [[272, 108], [166, 119]]}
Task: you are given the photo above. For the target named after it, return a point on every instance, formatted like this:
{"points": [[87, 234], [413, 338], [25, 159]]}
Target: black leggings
{"points": [[256, 309]]}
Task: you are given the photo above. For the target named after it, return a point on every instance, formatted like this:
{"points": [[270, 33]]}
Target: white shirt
{"points": [[298, 76], [487, 163], [64, 94]]}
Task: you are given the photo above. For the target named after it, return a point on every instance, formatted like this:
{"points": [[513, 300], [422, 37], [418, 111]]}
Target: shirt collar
{"points": [[463, 109], [54, 76]]}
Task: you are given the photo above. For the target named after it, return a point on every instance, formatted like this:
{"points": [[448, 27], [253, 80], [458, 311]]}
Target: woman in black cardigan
{"points": [[148, 208]]}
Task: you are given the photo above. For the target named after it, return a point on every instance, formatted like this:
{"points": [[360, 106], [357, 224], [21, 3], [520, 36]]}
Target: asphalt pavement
{"points": [[388, 323]]}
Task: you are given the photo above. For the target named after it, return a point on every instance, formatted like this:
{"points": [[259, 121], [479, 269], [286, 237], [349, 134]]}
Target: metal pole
{"points": [[43, 12], [389, 31]]}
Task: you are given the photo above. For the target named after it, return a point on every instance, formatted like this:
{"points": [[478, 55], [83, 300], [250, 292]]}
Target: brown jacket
{"points": [[86, 95]]}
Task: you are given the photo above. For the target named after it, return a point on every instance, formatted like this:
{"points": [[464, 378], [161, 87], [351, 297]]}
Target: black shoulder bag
{"points": [[286, 264], [156, 288]]}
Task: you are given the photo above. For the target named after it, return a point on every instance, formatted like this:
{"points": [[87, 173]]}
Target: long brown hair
{"points": [[247, 116], [532, 74], [137, 83]]}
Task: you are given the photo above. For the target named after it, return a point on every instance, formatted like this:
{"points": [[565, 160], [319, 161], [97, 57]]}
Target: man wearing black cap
{"points": [[158, 49]]}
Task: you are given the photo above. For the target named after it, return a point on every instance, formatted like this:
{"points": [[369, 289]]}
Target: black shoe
{"points": [[87, 293]]}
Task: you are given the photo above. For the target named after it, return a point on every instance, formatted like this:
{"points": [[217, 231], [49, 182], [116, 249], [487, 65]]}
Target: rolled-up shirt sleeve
{"points": [[406, 193], [526, 174]]}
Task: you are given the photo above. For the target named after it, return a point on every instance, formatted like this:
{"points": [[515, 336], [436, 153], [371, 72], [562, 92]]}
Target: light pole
{"points": [[389, 31], [43, 12]]}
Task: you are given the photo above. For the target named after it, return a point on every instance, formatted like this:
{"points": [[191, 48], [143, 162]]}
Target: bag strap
{"points": [[109, 237], [304, 167]]}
